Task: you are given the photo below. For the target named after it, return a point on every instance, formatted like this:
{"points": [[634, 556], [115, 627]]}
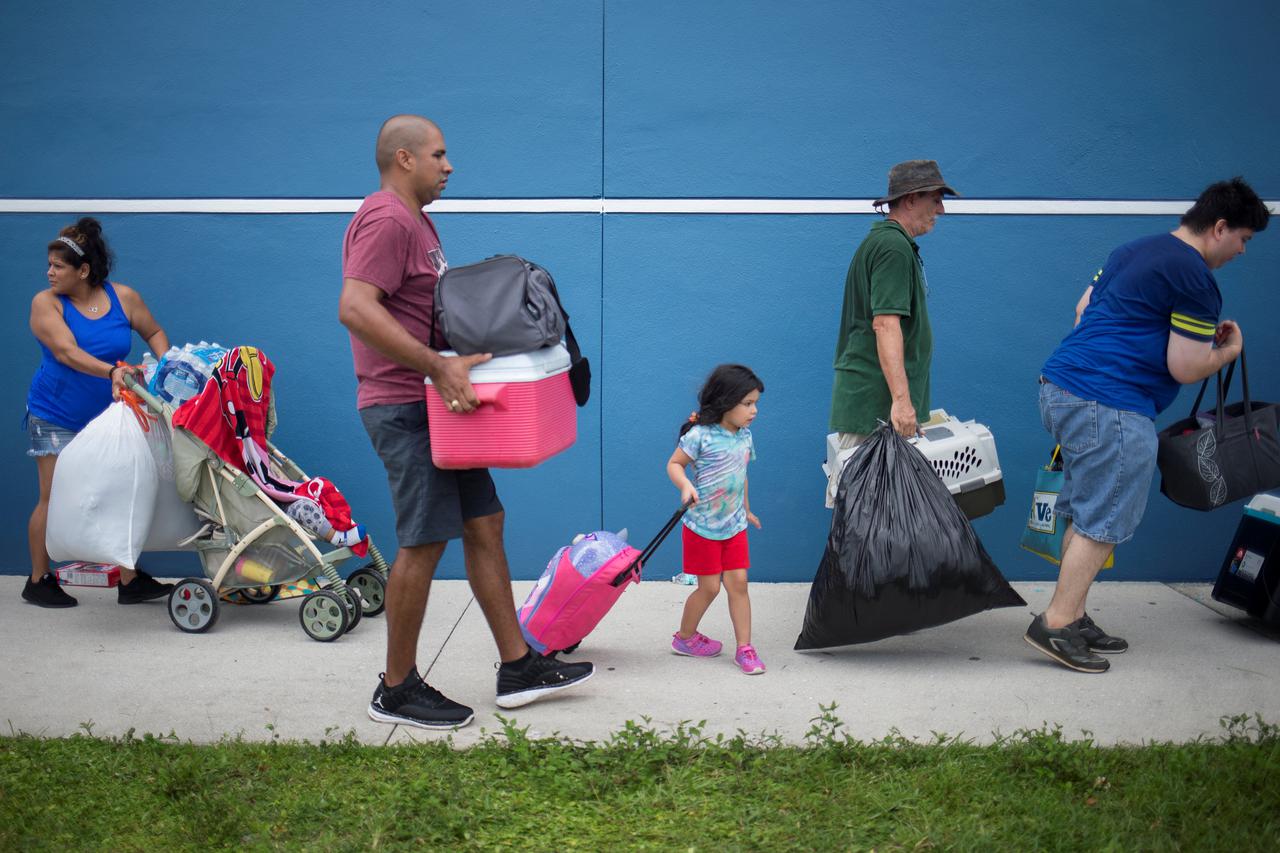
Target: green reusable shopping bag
{"points": [[1044, 531]]}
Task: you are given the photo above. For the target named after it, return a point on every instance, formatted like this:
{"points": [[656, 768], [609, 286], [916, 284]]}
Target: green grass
{"points": [[643, 789]]}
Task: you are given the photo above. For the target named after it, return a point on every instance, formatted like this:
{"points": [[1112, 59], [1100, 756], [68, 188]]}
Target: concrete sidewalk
{"points": [[256, 675]]}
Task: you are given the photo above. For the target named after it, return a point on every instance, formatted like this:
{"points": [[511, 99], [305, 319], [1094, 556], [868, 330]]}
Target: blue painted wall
{"points": [[146, 98], [655, 99]]}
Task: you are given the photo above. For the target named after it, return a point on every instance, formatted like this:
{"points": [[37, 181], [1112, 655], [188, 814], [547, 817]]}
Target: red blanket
{"points": [[230, 415]]}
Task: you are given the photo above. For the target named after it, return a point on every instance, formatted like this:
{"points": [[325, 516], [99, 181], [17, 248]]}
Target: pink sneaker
{"points": [[749, 660], [699, 645]]}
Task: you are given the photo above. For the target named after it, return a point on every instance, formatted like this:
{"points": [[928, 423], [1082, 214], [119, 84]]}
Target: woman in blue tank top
{"points": [[84, 325]]}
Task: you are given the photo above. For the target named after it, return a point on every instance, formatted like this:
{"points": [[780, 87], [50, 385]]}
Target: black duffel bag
{"points": [[1205, 467]]}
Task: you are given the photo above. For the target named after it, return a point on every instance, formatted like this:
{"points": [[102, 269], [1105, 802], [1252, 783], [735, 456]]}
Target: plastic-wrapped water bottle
{"points": [[206, 355], [182, 373], [149, 365], [180, 381], [156, 384]]}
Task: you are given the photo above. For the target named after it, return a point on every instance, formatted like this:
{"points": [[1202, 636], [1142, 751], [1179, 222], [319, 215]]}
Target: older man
{"points": [[391, 261], [885, 345]]}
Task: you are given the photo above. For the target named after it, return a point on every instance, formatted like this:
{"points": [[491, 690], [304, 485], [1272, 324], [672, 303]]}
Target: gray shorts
{"points": [[430, 503]]}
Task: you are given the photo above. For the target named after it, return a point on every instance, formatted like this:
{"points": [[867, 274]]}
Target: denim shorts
{"points": [[47, 439], [430, 503], [1108, 460]]}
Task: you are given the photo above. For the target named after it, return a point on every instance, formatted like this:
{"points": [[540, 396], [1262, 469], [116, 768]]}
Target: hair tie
{"points": [[75, 247], [693, 417]]}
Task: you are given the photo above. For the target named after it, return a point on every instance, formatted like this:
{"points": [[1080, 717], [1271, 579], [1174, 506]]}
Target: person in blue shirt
{"points": [[1149, 323], [84, 325]]}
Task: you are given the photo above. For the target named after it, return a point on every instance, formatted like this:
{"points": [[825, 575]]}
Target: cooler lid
{"points": [[521, 367], [1263, 505]]}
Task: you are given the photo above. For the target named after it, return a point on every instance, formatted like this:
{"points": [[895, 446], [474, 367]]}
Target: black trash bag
{"points": [[901, 555]]}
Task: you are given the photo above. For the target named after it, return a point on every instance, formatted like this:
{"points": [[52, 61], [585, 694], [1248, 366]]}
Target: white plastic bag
{"points": [[104, 492], [173, 519]]}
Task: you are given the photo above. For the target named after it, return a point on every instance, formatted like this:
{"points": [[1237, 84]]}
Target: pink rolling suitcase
{"points": [[580, 585]]}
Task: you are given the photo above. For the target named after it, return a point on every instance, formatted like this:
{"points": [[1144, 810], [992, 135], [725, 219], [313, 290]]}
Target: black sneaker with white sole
{"points": [[1099, 640], [413, 702], [534, 676], [1064, 645]]}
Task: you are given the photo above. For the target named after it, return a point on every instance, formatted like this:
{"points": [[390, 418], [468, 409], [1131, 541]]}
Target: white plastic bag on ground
{"points": [[173, 519], [104, 492]]}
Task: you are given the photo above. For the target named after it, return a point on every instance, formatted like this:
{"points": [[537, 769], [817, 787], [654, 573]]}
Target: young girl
{"points": [[717, 444]]}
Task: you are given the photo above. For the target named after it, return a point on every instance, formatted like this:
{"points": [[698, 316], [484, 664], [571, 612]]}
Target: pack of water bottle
{"points": [[182, 372]]}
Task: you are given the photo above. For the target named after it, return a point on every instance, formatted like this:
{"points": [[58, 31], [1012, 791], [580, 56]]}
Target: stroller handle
{"points": [[154, 403]]}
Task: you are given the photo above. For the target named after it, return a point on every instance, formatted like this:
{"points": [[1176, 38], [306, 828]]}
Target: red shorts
{"points": [[703, 556]]}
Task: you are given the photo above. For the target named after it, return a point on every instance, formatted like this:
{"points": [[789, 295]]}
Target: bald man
{"points": [[391, 261]]}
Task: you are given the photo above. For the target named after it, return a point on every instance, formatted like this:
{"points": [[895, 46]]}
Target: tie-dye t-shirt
{"points": [[719, 473]]}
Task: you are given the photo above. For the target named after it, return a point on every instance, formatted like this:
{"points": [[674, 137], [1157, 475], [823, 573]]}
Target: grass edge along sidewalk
{"points": [[645, 789]]}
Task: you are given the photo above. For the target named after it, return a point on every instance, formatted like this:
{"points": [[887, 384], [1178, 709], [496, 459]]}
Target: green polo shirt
{"points": [[886, 276]]}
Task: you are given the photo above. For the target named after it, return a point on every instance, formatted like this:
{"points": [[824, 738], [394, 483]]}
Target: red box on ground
{"points": [[527, 413], [88, 574]]}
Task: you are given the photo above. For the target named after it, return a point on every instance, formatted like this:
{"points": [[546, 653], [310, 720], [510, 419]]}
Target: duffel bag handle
{"points": [[1244, 387], [1224, 388], [579, 366]]}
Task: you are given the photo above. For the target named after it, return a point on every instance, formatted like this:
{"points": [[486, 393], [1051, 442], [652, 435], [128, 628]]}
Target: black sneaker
{"points": [[47, 592], [1065, 645], [534, 676], [141, 588], [1099, 640], [413, 702]]}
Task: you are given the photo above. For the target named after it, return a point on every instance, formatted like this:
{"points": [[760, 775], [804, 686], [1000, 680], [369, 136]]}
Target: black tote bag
{"points": [[1238, 456]]}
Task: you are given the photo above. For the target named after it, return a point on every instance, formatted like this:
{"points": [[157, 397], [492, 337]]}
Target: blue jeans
{"points": [[1108, 460], [46, 439]]}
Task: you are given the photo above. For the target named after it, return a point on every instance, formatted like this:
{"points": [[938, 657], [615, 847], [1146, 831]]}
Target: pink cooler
{"points": [[527, 413]]}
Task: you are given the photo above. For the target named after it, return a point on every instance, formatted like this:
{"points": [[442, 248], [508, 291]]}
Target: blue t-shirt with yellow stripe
{"points": [[1118, 353]]}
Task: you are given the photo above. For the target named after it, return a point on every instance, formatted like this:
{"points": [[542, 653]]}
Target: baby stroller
{"points": [[250, 547]]}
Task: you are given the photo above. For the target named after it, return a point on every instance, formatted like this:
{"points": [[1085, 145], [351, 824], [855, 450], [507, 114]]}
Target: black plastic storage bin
{"points": [[1250, 574]]}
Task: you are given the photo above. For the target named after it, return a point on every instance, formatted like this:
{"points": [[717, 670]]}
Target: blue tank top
{"points": [[63, 395]]}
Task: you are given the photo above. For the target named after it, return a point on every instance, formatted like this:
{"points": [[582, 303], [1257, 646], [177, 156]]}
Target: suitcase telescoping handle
{"points": [[638, 563]]}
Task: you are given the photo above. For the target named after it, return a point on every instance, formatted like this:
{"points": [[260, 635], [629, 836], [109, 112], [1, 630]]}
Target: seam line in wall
{"points": [[601, 206], [604, 43]]}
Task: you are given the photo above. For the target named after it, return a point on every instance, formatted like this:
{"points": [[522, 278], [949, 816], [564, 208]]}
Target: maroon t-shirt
{"points": [[397, 251]]}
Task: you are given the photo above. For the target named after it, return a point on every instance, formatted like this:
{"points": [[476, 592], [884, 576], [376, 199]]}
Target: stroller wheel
{"points": [[260, 594], [323, 616], [193, 605], [355, 608], [372, 587]]}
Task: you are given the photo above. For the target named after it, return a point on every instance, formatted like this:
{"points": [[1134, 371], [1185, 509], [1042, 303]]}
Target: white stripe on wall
{"points": [[784, 206]]}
